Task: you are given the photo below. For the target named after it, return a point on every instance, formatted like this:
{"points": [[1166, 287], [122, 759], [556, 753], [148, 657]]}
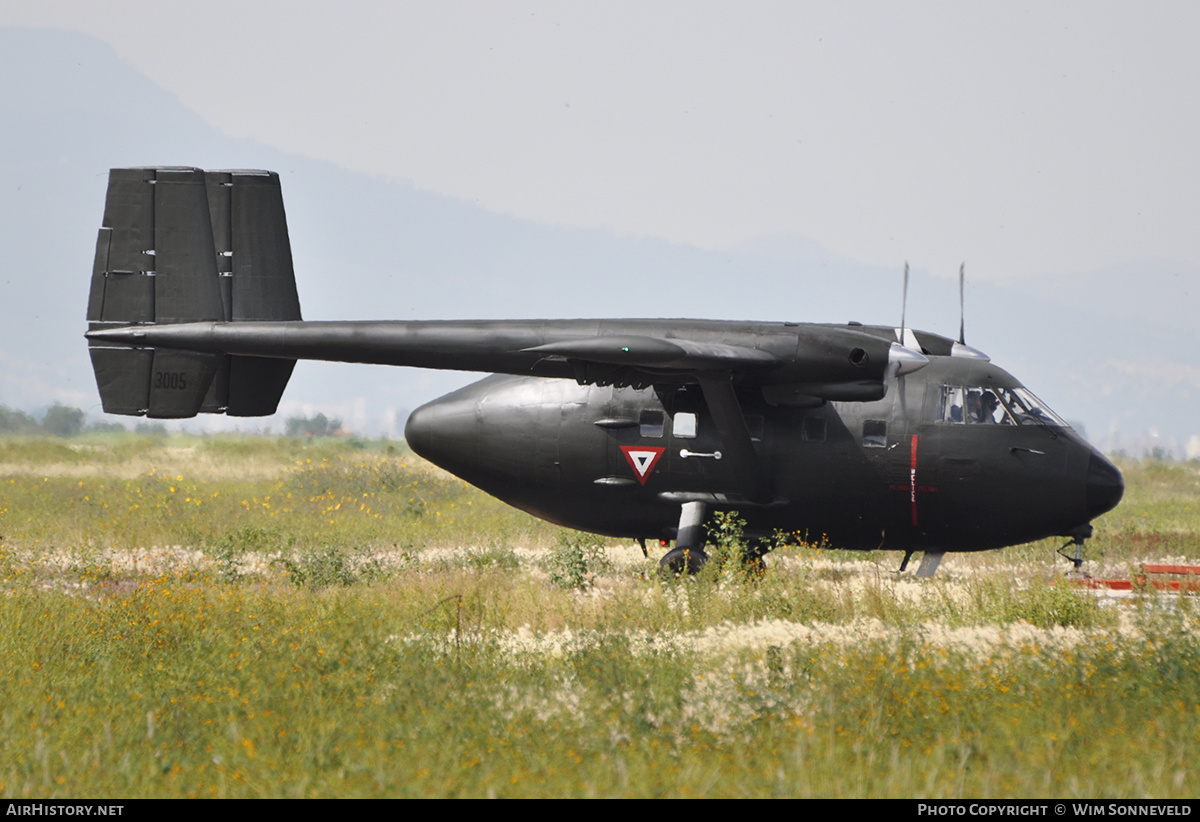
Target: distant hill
{"points": [[1115, 350]]}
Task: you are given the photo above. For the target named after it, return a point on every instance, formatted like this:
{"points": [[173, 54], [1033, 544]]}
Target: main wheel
{"points": [[680, 560]]}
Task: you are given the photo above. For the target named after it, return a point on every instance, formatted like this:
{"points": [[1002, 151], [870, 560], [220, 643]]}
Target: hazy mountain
{"points": [[1115, 350]]}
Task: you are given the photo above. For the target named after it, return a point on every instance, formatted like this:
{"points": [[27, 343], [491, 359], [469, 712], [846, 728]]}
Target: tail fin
{"points": [[186, 245]]}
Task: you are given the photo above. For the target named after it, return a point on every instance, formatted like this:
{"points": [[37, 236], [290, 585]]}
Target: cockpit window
{"points": [[1028, 409], [984, 406], [973, 404], [952, 404]]}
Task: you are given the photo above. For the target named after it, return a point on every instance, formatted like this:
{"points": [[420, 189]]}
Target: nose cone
{"points": [[1105, 485], [445, 432]]}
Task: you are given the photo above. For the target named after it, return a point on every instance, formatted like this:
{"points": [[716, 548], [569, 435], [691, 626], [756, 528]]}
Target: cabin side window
{"points": [[651, 424], [874, 433], [684, 425]]}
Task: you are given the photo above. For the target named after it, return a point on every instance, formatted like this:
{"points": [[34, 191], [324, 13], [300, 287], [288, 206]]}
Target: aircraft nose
{"points": [[1105, 485], [444, 432]]}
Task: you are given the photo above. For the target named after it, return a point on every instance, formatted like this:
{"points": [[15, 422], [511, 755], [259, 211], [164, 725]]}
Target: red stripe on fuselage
{"points": [[912, 477]]}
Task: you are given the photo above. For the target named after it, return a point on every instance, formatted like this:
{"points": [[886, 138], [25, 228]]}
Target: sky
{"points": [[1024, 138]]}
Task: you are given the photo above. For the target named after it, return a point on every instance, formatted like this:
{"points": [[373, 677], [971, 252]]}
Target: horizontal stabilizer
{"points": [[256, 385], [161, 383]]}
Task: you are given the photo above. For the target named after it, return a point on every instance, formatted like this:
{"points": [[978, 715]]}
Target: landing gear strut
{"points": [[1077, 537], [688, 554], [929, 563]]}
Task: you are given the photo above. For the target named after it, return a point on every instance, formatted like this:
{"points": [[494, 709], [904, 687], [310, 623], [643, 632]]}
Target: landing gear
{"points": [[929, 563], [1077, 537], [682, 560], [688, 554], [732, 549]]}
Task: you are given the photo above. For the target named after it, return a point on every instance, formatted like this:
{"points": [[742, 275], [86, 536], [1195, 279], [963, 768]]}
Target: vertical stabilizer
{"points": [[185, 245]]}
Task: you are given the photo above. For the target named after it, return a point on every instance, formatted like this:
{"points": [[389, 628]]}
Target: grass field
{"points": [[269, 617]]}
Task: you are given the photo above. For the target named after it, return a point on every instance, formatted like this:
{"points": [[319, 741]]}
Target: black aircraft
{"points": [[869, 436]]}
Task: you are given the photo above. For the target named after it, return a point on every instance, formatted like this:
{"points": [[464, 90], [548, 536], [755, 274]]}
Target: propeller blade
{"points": [[962, 276], [904, 304]]}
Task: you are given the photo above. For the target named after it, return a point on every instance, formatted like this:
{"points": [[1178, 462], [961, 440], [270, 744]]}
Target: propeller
{"points": [[960, 348], [901, 366], [962, 278]]}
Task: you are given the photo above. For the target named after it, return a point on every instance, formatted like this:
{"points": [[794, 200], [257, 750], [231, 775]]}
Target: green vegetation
{"points": [[317, 426], [576, 560], [250, 616], [58, 421]]}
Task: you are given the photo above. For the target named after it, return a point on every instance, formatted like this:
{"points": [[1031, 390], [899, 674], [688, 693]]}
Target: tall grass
{"points": [[169, 688], [278, 618]]}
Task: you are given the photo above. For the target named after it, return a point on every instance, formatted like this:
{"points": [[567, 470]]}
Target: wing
{"points": [[793, 364], [193, 308]]}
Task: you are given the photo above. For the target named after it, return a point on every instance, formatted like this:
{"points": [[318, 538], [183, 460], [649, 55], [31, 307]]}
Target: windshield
{"points": [[973, 404]]}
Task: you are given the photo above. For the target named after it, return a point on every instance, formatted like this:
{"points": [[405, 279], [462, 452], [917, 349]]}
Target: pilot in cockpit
{"points": [[990, 404], [975, 412]]}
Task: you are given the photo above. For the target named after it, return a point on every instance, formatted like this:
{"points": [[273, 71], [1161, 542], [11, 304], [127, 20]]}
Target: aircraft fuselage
{"points": [[895, 473]]}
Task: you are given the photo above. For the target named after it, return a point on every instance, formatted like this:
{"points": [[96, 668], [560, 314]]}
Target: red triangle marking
{"points": [[642, 459]]}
